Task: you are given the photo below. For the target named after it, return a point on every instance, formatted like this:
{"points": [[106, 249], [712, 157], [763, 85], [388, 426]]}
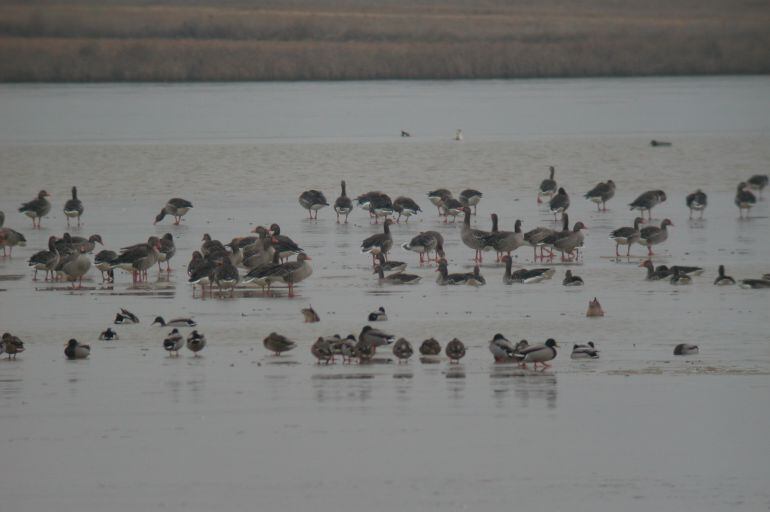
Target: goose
{"points": [[647, 201], [403, 350], [594, 308], [74, 267], [437, 197], [173, 342], [475, 278], [690, 271], [570, 242], [70, 243], [430, 347], [659, 143], [12, 345], [458, 134], [655, 274], [405, 133], [378, 315], [685, 349], [584, 351], [290, 273], [176, 322], [262, 274], [138, 258], [225, 275], [697, 202], [502, 349], [570, 280], [278, 343], [755, 283], [455, 350], [473, 238], [524, 275], [452, 208], [470, 197], [73, 208], [37, 208], [535, 239], [653, 235], [261, 252], [379, 243], [210, 246], [312, 201], [722, 279], [109, 335], [166, 251], [445, 278], [322, 350], [76, 350], [626, 236], [196, 342], [504, 241], [678, 277], [559, 203], [285, 246], [390, 266], [126, 317], [176, 207], [538, 354], [45, 260], [343, 205], [310, 315], [365, 200], [405, 206], [200, 271], [758, 182], [102, 263], [396, 278], [376, 337], [547, 186], [10, 238], [744, 199], [600, 194], [423, 244]]}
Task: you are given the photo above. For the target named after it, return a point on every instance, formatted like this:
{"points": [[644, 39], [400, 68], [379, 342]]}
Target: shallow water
{"points": [[636, 430]]}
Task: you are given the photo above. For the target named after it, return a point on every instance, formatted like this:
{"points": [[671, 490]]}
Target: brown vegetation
{"points": [[325, 40]]}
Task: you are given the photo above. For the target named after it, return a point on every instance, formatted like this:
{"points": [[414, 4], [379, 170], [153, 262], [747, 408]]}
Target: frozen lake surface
{"points": [[638, 429]]}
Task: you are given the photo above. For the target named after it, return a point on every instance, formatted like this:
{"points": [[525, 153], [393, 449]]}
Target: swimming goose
{"points": [[600, 194], [76, 350], [524, 275], [166, 251], [502, 349], [655, 274], [423, 243], [685, 349], [451, 207], [278, 343], [403, 350], [126, 317], [322, 350], [626, 236], [108, 335], [690, 271], [594, 308], [45, 260], [312, 201], [225, 275], [173, 342], [722, 279], [504, 242], [437, 197], [744, 199], [376, 337], [138, 258], [455, 350], [547, 187], [758, 182], [570, 242], [538, 354], [176, 322], [196, 342], [9, 237], [405, 206], [475, 278], [73, 207], [678, 277], [430, 347], [380, 243], [310, 315], [659, 143], [647, 201], [343, 205], [445, 278], [12, 345], [470, 197], [176, 207], [37, 208], [74, 266], [697, 202], [473, 238], [570, 280], [396, 278], [755, 283], [584, 351], [390, 266], [102, 263], [653, 235], [559, 203]]}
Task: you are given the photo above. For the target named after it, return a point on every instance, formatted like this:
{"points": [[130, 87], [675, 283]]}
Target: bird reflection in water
{"points": [[455, 382], [527, 385]]}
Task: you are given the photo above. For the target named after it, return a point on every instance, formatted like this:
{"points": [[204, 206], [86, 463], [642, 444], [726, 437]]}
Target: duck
{"points": [[559, 203], [376, 337], [430, 347], [403, 350], [102, 263], [445, 278], [10, 238], [571, 280], [310, 315], [547, 186], [396, 278], [37, 208], [364, 350], [653, 235], [455, 350], [346, 348], [626, 236], [451, 207], [502, 349], [758, 182], [12, 345], [76, 350], [600, 194], [685, 349], [538, 354], [678, 277], [405, 206], [722, 279], [587, 351], [45, 260], [570, 241], [390, 266], [504, 242], [166, 251], [343, 205], [175, 207], [73, 208], [697, 202], [473, 238], [744, 199], [126, 317], [322, 350], [647, 201], [659, 143], [437, 197], [74, 266], [290, 273], [755, 283], [475, 278], [423, 244], [470, 197], [176, 322], [196, 342], [108, 335], [594, 309], [655, 274], [378, 315], [173, 342], [312, 201], [379, 243], [278, 343]]}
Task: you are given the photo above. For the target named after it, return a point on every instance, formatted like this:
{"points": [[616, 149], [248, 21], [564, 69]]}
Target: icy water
{"points": [[638, 429]]}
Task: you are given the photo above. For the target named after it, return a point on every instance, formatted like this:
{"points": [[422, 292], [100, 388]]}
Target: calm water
{"points": [[636, 430]]}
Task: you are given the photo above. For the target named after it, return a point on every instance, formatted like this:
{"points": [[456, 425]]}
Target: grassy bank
{"points": [[324, 40]]}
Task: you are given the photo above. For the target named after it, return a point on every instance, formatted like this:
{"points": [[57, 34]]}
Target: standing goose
{"points": [[502, 349], [176, 207], [210, 246], [175, 322], [538, 354], [102, 263], [685, 349], [430, 347], [173, 342], [653, 235], [312, 201], [559, 203], [381, 206], [744, 199], [278, 343], [291, 273], [445, 278], [570, 242], [285, 246], [380, 243], [473, 238], [70, 243], [455, 350], [547, 186], [73, 207], [225, 275], [75, 266], [437, 197], [470, 197], [504, 242], [626, 236], [697, 202], [138, 258], [423, 243], [37, 208], [76, 350], [405, 206], [9, 237], [45, 260], [451, 207], [570, 280], [166, 251], [722, 279], [374, 196], [397, 278], [758, 182], [261, 252], [600, 194], [584, 351], [535, 238], [647, 201], [343, 205], [403, 350], [196, 342]]}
